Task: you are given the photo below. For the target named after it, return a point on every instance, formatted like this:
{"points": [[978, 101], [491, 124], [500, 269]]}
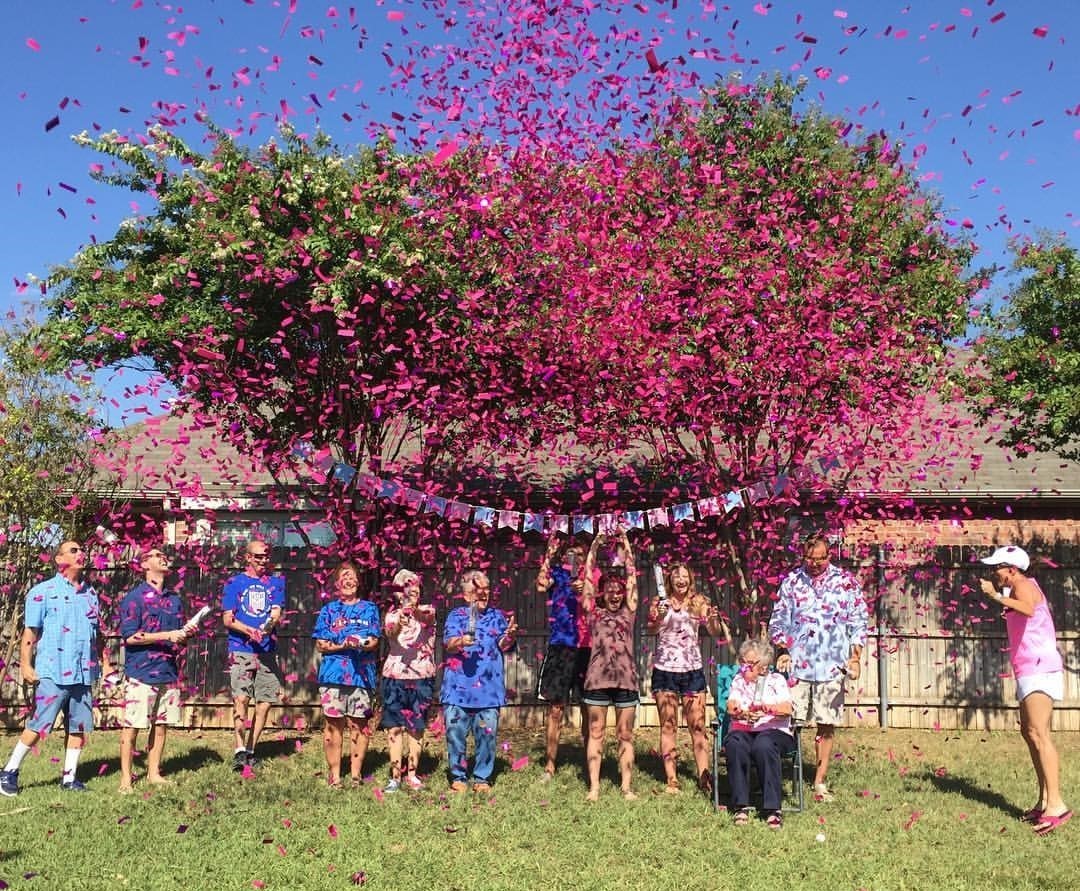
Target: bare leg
{"points": [[262, 712], [394, 745], [128, 735], [415, 745], [551, 737], [240, 721], [624, 727], [1035, 712], [333, 731], [667, 704], [694, 715], [156, 747], [597, 720], [823, 745], [358, 744]]}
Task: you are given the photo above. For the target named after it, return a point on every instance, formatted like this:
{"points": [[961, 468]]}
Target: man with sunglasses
{"points": [[252, 608], [152, 630], [60, 657]]}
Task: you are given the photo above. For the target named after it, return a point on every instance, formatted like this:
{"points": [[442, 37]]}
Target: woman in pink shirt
{"points": [[1039, 672], [678, 674], [408, 677]]}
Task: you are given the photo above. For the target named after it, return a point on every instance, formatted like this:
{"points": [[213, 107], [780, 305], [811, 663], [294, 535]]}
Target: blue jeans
{"points": [[483, 724]]}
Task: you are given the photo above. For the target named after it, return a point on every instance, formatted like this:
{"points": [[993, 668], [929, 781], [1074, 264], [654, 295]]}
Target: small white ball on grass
{"points": [[820, 837]]}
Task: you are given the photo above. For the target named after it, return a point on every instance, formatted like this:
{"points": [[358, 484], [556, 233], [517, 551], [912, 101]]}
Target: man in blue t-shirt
{"points": [[473, 686], [152, 631], [60, 656], [562, 672], [252, 606]]}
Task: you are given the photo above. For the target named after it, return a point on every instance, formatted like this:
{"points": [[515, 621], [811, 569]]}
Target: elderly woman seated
{"points": [[760, 708]]}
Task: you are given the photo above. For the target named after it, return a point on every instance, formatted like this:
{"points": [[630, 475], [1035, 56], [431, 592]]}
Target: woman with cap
{"points": [[1039, 672]]}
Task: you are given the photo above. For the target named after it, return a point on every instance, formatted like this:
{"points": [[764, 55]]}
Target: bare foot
{"points": [[159, 781], [125, 789], [594, 795], [628, 795]]}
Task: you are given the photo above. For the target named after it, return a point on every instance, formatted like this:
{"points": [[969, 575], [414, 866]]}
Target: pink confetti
{"points": [[33, 44], [332, 830], [521, 763]]}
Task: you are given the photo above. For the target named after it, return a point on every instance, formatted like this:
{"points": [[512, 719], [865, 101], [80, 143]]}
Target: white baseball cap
{"points": [[1009, 555]]}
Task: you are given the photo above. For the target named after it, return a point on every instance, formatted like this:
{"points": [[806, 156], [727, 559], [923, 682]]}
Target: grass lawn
{"points": [[914, 809]]}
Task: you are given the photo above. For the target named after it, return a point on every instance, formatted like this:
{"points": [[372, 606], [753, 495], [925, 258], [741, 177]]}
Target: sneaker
{"points": [[9, 783], [393, 786], [239, 761], [414, 783], [251, 760], [73, 786], [822, 793]]}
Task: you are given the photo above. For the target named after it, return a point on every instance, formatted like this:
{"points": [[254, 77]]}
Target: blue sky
{"points": [[986, 93]]}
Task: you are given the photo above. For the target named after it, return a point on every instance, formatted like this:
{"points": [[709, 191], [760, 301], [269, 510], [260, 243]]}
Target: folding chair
{"points": [[724, 675]]}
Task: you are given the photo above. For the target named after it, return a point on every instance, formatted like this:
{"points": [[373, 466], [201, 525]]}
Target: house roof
{"points": [[172, 456]]}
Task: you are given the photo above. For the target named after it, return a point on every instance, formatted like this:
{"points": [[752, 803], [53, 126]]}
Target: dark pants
{"points": [[764, 749]]}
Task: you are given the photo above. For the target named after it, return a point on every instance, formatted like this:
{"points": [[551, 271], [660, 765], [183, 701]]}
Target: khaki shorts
{"points": [[255, 676], [148, 704], [346, 702], [819, 702]]}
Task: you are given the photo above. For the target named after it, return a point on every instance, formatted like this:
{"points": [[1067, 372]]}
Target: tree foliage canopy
{"points": [[738, 297], [1030, 347]]}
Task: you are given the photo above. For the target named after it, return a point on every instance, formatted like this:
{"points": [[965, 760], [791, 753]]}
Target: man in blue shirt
{"points": [[59, 652], [152, 631], [252, 606], [562, 672], [819, 625], [473, 686]]}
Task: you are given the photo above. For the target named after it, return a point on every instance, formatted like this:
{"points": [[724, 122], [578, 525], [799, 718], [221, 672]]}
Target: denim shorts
{"points": [[682, 683], [50, 698]]}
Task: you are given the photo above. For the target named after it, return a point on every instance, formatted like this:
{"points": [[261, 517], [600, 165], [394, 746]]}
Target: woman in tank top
{"points": [[1039, 674], [678, 620]]}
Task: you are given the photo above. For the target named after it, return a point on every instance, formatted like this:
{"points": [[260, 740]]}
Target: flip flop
{"points": [[1032, 815], [1048, 824]]}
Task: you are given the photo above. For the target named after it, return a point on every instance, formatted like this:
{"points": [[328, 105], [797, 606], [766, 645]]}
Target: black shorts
{"points": [[562, 673]]}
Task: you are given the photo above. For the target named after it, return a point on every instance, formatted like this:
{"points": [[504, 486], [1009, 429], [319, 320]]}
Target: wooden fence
{"points": [[936, 658]]}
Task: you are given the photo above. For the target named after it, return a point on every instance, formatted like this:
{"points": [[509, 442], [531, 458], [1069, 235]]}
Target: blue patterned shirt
{"points": [[66, 618], [818, 620]]}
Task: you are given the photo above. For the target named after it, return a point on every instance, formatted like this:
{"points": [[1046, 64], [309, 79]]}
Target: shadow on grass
{"points": [[958, 785]]}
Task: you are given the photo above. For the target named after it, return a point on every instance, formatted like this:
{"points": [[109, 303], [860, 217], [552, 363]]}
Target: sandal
{"points": [[1048, 824], [1032, 815], [673, 787], [742, 816], [705, 783], [775, 820]]}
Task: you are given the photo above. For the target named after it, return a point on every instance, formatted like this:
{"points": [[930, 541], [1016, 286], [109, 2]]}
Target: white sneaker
{"points": [[822, 793], [414, 782], [392, 786]]}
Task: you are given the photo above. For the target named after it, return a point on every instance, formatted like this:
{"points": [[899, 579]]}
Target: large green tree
{"points": [[47, 475], [1030, 349]]}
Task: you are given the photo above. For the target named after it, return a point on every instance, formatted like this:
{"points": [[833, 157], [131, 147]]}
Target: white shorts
{"points": [[1052, 683], [148, 704]]}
